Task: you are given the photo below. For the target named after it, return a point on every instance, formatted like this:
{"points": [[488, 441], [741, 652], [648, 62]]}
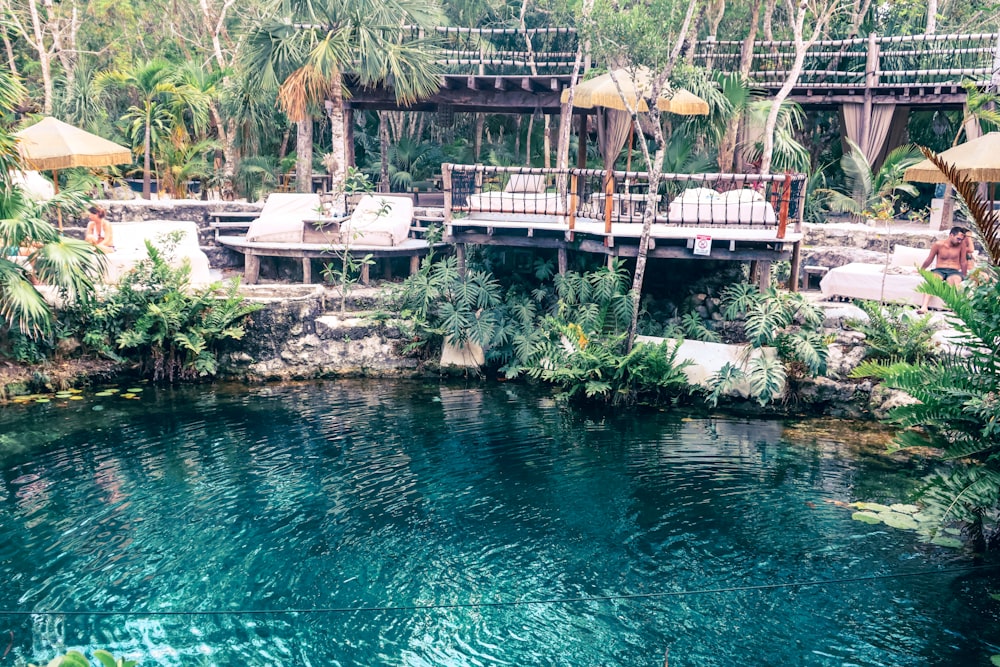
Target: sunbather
{"points": [[951, 257], [99, 231]]}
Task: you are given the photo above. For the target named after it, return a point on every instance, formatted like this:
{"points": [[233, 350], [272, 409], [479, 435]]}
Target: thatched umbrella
{"points": [[53, 144], [978, 160]]}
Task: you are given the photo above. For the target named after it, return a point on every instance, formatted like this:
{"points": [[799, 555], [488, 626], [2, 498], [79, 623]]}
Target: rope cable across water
{"points": [[508, 603]]}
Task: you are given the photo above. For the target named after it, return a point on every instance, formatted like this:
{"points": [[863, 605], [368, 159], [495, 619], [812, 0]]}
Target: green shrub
{"points": [[893, 332], [155, 319]]}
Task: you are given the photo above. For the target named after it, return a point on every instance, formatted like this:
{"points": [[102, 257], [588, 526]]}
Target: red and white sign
{"points": [[703, 245]]}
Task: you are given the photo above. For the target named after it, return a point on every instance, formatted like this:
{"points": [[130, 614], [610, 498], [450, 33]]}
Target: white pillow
{"points": [[906, 256], [742, 195], [525, 183]]}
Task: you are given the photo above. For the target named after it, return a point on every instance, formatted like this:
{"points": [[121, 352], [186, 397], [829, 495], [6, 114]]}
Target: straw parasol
{"points": [[601, 91], [53, 144], [978, 160]]}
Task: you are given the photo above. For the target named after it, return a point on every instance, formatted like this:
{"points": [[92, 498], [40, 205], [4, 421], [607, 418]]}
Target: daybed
{"points": [[379, 226], [705, 206], [281, 218], [865, 281], [130, 248], [380, 220], [524, 193]]}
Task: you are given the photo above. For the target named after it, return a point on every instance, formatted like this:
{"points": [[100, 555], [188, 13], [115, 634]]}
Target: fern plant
{"points": [[155, 319], [957, 408], [891, 332], [784, 321]]}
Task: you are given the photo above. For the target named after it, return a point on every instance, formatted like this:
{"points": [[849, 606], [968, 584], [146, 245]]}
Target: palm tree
{"points": [[153, 88], [872, 194], [306, 52], [69, 264]]}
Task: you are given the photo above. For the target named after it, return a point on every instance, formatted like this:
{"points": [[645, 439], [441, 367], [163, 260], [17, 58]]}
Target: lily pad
{"points": [[866, 517], [128, 395], [41, 400], [113, 390], [105, 393], [897, 520], [97, 408], [995, 596], [63, 394], [949, 542], [76, 397], [904, 509], [134, 390], [995, 660], [872, 507]]}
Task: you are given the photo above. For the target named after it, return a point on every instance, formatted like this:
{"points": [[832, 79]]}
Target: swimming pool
{"points": [[402, 523]]}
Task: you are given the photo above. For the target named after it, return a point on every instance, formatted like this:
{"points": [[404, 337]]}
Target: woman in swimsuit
{"points": [[99, 231]]}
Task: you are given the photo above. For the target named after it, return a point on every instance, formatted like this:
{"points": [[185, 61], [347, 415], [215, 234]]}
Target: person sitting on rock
{"points": [[951, 255]]}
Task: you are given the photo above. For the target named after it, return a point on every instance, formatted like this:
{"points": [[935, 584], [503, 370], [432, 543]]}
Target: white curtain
{"points": [[612, 131], [876, 130]]}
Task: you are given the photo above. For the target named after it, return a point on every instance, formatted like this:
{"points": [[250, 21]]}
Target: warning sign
{"points": [[703, 245]]}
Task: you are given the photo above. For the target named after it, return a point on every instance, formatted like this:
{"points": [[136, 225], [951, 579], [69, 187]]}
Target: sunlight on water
{"points": [[436, 525]]}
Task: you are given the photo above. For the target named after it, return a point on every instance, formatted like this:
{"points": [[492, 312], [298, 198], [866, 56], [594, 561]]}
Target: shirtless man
{"points": [[952, 260]]}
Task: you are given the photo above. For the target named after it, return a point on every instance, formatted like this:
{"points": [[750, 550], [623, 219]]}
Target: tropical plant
{"points": [[956, 408], [872, 194], [153, 89], [155, 318], [305, 51], [31, 249], [789, 154], [893, 333], [253, 176], [784, 321]]}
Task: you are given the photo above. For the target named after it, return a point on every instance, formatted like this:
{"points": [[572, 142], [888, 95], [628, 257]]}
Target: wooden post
{"points": [[786, 198], [251, 269], [306, 271], [563, 261], [446, 186], [793, 279], [871, 80], [765, 275], [609, 200], [573, 200]]}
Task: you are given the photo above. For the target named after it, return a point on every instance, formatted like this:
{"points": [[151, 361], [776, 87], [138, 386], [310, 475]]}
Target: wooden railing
{"points": [[842, 63], [905, 60], [720, 201]]}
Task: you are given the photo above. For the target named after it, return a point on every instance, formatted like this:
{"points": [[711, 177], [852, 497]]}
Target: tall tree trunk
{"points": [[655, 168], [383, 150], [338, 144], [801, 47], [932, 10], [304, 154], [729, 141], [547, 147], [147, 153], [44, 58], [477, 137]]}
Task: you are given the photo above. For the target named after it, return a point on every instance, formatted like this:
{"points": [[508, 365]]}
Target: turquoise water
{"points": [[446, 504]]}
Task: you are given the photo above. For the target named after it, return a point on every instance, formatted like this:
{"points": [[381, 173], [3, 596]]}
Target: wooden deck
{"points": [[736, 231], [306, 252]]}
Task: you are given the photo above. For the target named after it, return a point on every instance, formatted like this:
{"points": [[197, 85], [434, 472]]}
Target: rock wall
{"points": [[295, 337]]}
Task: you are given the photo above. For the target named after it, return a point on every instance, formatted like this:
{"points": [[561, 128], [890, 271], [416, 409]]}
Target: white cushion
{"points": [[525, 183], [695, 195], [742, 195], [906, 256], [281, 218], [380, 220], [130, 247]]}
